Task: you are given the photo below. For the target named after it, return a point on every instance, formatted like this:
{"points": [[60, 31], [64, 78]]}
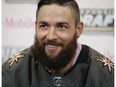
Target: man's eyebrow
{"points": [[43, 22], [63, 23], [58, 23]]}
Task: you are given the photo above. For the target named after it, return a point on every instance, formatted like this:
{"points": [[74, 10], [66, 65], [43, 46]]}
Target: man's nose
{"points": [[52, 34]]}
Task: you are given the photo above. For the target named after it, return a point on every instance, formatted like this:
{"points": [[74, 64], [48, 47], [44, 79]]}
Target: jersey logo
{"points": [[57, 81], [106, 62], [15, 58]]}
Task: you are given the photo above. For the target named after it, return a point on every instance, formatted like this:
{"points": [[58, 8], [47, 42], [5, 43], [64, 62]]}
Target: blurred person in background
{"points": [[56, 59]]}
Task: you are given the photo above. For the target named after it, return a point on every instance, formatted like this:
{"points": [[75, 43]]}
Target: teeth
{"points": [[51, 46]]}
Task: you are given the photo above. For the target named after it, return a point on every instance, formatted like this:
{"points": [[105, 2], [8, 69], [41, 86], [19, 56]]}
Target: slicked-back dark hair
{"points": [[72, 4]]}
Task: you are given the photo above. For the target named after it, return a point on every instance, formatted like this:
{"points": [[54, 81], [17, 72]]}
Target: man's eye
{"points": [[43, 26], [62, 27]]}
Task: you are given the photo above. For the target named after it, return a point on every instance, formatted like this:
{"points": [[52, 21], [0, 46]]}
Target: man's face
{"points": [[55, 28]]}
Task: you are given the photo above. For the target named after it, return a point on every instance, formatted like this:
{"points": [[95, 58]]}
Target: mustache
{"points": [[53, 42]]}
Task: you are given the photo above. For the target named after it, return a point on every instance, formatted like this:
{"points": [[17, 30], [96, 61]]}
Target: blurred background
{"points": [[18, 18]]}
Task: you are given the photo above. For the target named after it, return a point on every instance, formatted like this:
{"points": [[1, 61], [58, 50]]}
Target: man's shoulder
{"points": [[17, 59], [100, 59], [17, 69], [101, 62], [101, 68]]}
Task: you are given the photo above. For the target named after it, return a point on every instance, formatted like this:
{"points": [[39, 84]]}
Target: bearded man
{"points": [[56, 59]]}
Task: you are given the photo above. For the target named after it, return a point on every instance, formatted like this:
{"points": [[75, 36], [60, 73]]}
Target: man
{"points": [[56, 59]]}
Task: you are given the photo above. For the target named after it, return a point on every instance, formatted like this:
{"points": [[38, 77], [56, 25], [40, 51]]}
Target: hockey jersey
{"points": [[91, 69]]}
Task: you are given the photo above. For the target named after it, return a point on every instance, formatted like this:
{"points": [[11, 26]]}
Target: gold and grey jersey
{"points": [[91, 69]]}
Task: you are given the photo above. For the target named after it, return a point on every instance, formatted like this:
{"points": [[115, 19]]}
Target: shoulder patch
{"points": [[106, 62], [15, 58]]}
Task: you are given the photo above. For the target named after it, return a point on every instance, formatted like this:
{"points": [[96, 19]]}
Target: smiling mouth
{"points": [[52, 48], [48, 46]]}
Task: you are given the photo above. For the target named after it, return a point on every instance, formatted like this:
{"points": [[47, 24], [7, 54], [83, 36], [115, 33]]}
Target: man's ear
{"points": [[79, 29]]}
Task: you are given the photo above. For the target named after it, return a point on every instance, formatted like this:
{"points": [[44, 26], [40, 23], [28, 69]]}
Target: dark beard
{"points": [[60, 60]]}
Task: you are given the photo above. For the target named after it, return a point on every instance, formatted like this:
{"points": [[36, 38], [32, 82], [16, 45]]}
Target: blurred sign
{"points": [[97, 17]]}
